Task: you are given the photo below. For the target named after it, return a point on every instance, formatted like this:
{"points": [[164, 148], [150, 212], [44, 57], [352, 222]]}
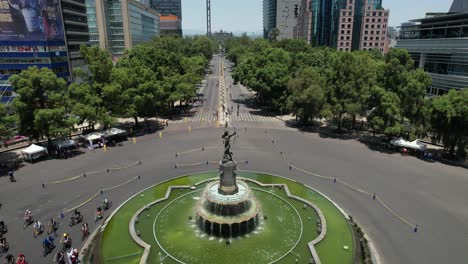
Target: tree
{"points": [[349, 79], [97, 99], [274, 33], [6, 123], [449, 120], [394, 75], [385, 115], [293, 45], [204, 46], [307, 94], [266, 73], [414, 107], [42, 104]]}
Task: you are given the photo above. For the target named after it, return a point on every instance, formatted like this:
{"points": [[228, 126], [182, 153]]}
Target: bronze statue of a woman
{"points": [[227, 146]]}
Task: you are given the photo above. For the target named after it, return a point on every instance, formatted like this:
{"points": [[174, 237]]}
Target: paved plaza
{"points": [[431, 195]]}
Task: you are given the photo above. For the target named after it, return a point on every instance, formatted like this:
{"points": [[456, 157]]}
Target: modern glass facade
{"points": [[324, 22], [92, 23], [438, 44], [269, 17], [168, 7], [143, 25], [117, 25], [114, 24], [76, 30]]}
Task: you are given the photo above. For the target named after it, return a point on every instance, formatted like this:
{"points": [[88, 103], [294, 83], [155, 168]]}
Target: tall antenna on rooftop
{"points": [[208, 17]]}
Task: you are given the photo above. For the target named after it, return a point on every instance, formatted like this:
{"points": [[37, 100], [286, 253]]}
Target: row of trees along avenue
{"points": [[146, 82], [323, 83]]}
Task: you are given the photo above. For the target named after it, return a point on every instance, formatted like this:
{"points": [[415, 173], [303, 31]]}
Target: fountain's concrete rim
{"points": [[242, 193], [254, 188], [147, 247]]}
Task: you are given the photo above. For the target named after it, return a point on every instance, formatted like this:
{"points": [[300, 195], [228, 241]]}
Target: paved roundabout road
{"points": [[431, 195]]}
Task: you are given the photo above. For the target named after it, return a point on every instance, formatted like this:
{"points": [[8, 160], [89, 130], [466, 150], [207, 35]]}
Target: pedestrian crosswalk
{"points": [[207, 117], [244, 116]]}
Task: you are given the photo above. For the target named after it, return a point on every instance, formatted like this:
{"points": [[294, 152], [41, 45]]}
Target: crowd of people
{"points": [[66, 253]]}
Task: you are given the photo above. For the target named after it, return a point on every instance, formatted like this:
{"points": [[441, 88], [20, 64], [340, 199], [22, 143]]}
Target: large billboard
{"points": [[24, 20]]}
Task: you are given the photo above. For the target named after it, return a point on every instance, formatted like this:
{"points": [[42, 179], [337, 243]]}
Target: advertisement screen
{"points": [[23, 20]]}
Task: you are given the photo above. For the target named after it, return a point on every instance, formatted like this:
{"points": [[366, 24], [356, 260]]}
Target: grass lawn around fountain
{"points": [[118, 247]]}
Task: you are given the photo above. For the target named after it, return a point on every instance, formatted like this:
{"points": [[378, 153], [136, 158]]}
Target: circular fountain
{"points": [[227, 208], [228, 215]]}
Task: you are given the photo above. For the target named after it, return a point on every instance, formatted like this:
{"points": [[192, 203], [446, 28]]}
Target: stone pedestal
{"points": [[227, 178]]}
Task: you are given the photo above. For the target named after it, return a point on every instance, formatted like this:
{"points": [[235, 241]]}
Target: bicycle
{"points": [[75, 220], [38, 231], [28, 221], [107, 206], [84, 234], [53, 228]]}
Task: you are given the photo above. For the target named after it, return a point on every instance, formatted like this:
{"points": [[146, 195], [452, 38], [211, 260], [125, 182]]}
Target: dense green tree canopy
{"points": [[42, 104], [6, 123], [307, 92], [449, 120], [387, 90]]}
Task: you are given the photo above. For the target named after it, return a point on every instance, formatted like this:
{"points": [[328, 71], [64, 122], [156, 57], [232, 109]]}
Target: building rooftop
{"points": [[459, 6], [169, 18]]}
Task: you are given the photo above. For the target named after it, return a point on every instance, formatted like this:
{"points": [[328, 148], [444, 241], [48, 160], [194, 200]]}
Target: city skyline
{"points": [[225, 14]]}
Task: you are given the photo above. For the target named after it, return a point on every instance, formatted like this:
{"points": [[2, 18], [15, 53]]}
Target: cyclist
{"points": [[52, 226], [85, 229], [3, 244], [38, 227], [105, 202], [60, 257], [27, 215], [73, 255], [66, 240], [21, 259], [10, 259], [76, 214], [99, 213], [2, 225], [48, 244]]}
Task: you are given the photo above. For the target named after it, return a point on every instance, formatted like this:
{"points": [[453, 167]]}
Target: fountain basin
{"points": [[227, 215]]}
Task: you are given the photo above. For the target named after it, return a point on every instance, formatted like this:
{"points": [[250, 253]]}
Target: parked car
{"points": [[14, 140]]}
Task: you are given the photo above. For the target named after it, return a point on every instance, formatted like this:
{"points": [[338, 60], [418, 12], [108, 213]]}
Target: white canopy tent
{"points": [[34, 152], [92, 140], [416, 144], [114, 135], [64, 144]]}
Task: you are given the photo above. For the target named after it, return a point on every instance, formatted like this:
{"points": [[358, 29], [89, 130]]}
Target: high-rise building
{"points": [[342, 24], [282, 15], [42, 34], [76, 30], [169, 9], [117, 25], [269, 17], [171, 25], [438, 44], [362, 26]]}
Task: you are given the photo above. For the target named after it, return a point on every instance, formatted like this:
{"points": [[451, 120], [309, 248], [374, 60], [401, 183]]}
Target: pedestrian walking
{"points": [[11, 174]]}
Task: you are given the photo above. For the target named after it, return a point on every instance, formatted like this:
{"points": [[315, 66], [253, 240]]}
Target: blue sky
{"points": [[246, 15]]}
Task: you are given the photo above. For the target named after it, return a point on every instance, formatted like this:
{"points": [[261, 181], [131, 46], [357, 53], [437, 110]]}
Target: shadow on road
{"points": [[144, 128], [9, 161]]}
